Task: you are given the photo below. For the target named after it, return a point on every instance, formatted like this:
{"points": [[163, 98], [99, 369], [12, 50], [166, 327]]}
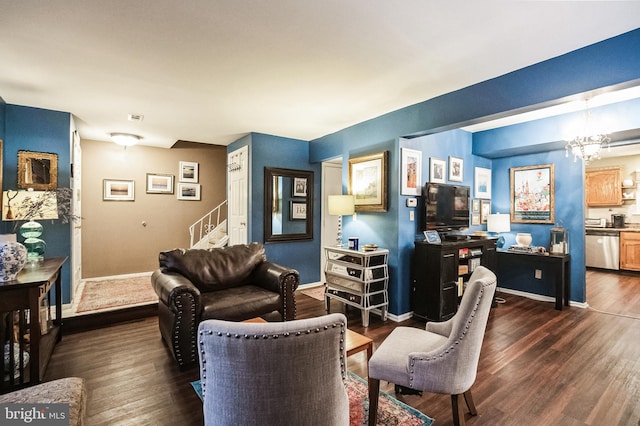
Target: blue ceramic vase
{"points": [[13, 257]]}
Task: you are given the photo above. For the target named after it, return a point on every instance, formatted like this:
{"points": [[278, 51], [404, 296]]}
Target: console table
{"points": [[559, 264], [21, 302]]}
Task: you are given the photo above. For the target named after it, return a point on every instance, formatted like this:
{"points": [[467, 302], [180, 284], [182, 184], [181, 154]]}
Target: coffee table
{"points": [[355, 342]]}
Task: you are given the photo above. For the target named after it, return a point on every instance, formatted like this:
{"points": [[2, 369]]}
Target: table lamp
{"points": [[340, 205], [499, 223]]}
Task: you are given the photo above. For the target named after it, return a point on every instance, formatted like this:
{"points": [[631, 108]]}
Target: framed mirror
{"points": [[37, 170], [288, 205]]}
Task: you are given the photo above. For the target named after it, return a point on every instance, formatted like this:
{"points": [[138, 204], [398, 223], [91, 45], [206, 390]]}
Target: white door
{"points": [[331, 185], [238, 195], [76, 229]]}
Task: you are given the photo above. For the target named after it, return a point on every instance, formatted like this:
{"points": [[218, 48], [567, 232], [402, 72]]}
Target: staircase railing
{"points": [[210, 230]]}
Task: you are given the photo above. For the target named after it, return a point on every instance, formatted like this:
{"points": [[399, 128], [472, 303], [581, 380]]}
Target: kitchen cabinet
{"points": [[630, 251], [603, 187]]}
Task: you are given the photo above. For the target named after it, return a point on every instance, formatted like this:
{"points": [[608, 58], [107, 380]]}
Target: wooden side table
{"points": [[23, 294], [356, 342]]}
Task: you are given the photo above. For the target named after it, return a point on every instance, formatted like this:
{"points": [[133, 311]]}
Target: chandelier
{"points": [[588, 144]]}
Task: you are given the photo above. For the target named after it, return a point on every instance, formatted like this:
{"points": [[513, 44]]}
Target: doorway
{"points": [[331, 185], [237, 195]]}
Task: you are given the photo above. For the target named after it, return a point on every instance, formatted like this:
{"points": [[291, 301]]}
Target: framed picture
{"points": [[297, 210], [368, 182], [475, 206], [25, 205], [437, 170], [188, 172], [159, 184], [532, 194], [410, 172], [485, 210], [299, 187], [482, 182], [118, 190], [432, 237], [455, 169], [475, 218], [37, 170], [189, 191]]}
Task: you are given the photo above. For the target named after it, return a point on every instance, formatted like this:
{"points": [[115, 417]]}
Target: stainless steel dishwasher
{"points": [[602, 249]]}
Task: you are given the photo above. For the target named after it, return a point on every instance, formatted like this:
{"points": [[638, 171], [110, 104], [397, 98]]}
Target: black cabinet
{"points": [[440, 272]]}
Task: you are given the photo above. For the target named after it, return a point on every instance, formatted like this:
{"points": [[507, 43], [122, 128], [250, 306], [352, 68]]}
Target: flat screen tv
{"points": [[446, 206]]}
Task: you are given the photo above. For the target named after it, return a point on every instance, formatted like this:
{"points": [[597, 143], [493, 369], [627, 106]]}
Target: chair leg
{"points": [[374, 391], [458, 411], [469, 399]]}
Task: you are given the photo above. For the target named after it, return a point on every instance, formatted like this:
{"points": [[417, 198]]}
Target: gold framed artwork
{"points": [[532, 194], [368, 182], [37, 170]]}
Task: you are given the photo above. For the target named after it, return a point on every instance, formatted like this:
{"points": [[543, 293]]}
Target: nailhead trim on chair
{"points": [[285, 286], [192, 355], [457, 341], [270, 336]]}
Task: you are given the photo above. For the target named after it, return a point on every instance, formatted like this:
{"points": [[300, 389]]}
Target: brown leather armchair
{"points": [[233, 283]]}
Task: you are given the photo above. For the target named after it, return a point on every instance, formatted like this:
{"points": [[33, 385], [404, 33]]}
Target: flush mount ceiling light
{"points": [[126, 139], [588, 143]]}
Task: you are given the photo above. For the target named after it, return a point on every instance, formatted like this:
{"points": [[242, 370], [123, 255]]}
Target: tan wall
{"points": [[114, 240]]}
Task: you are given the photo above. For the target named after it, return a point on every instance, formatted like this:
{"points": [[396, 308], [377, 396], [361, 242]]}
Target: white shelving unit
{"points": [[357, 278]]}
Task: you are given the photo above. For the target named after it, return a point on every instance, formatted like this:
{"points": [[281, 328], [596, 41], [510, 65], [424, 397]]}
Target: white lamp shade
{"points": [[340, 205], [498, 223]]}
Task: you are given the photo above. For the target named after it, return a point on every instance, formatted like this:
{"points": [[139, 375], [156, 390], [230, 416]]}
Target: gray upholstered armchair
{"points": [[289, 373], [441, 359], [233, 283]]}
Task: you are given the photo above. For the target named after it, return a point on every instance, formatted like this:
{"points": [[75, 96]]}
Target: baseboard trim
{"points": [[309, 285], [540, 297]]}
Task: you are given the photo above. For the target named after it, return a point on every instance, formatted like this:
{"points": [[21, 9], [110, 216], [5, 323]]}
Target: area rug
{"points": [[316, 292], [391, 412], [112, 293]]}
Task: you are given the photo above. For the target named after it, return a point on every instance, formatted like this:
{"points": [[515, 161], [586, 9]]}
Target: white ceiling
{"points": [[211, 71]]}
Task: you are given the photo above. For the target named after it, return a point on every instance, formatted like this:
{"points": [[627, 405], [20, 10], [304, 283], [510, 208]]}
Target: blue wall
{"points": [[286, 153], [39, 130], [613, 63]]}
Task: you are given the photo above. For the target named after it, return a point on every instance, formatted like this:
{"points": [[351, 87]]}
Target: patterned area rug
{"points": [[106, 294], [316, 292], [391, 412]]}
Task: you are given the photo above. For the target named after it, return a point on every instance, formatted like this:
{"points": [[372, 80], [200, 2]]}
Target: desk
{"points": [[24, 293], [560, 264]]}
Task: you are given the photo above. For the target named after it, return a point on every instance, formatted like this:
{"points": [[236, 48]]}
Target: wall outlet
{"points": [[412, 215], [538, 274]]}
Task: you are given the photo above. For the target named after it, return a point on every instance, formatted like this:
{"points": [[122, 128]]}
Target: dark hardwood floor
{"points": [[538, 366]]}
